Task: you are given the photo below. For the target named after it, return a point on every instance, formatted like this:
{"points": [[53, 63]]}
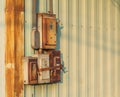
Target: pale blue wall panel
{"points": [[28, 89], [89, 33], [2, 48]]}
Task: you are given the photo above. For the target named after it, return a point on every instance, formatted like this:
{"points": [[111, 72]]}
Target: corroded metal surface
{"points": [[9, 56], [19, 53], [14, 18]]}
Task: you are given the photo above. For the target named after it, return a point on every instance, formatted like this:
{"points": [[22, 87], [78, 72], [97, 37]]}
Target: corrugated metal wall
{"points": [[89, 41], [2, 48]]}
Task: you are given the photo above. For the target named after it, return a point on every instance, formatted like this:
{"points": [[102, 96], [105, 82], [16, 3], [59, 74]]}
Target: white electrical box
{"points": [[43, 68]]}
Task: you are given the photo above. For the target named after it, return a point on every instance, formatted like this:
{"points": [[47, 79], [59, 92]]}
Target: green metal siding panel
{"points": [[89, 42], [28, 27], [28, 89]]}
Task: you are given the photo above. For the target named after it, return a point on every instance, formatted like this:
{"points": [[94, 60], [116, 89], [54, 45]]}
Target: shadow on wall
{"points": [[116, 3], [59, 28], [37, 6]]}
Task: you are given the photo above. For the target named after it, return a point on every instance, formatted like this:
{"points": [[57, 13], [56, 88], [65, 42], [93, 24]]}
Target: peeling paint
{"points": [[9, 82], [9, 66]]}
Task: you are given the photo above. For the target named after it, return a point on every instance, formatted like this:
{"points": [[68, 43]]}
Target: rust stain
{"points": [[19, 4], [9, 38], [9, 54], [14, 50], [9, 82], [19, 49], [10, 3]]}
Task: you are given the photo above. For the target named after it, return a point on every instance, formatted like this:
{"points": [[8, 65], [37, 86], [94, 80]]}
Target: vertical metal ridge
{"points": [[80, 80], [56, 9], [43, 5], [116, 52], [104, 48], [88, 46], [41, 90], [96, 49], [78, 49], [118, 48], [50, 90], [112, 48], [86, 49], [92, 28], [46, 6], [55, 90], [73, 44], [67, 42], [59, 8], [69, 50], [101, 48], [83, 47], [109, 60]]}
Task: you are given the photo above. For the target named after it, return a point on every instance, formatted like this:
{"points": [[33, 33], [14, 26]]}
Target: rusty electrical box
{"points": [[46, 24], [55, 63], [44, 66], [30, 70]]}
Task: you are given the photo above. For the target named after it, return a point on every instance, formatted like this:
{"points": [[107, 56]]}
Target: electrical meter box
{"points": [[43, 68], [46, 24]]}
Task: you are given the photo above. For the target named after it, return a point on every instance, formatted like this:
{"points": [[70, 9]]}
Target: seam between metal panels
{"points": [[46, 5], [95, 62], [86, 50], [68, 49], [58, 9], [78, 49]]}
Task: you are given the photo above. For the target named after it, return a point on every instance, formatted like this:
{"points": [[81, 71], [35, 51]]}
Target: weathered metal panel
{"points": [[9, 54], [14, 48], [19, 54], [89, 41]]}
